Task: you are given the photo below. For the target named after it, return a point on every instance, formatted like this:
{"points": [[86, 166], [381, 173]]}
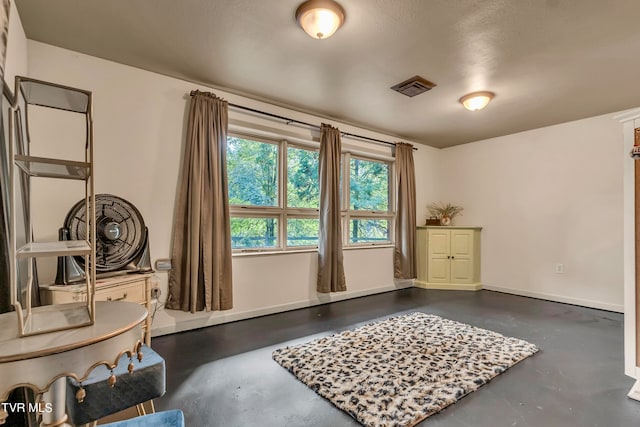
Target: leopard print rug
{"points": [[399, 371]]}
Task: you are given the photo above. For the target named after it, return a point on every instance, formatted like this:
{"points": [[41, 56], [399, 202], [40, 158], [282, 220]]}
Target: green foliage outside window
{"points": [[369, 190], [302, 231], [254, 233], [368, 231], [253, 180], [303, 189], [369, 185], [252, 172]]}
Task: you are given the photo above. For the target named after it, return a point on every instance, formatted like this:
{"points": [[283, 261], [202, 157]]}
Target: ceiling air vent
{"points": [[414, 86]]}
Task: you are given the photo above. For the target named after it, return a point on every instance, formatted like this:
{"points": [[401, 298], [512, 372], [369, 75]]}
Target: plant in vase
{"points": [[445, 212]]}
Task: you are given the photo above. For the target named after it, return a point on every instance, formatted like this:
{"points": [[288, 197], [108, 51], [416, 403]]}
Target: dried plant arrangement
{"points": [[445, 212]]}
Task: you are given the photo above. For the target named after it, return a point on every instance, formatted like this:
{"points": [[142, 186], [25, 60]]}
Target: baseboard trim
{"points": [[558, 298], [449, 286], [172, 321]]}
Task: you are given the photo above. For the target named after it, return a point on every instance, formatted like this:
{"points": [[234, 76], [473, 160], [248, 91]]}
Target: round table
{"points": [[42, 362]]}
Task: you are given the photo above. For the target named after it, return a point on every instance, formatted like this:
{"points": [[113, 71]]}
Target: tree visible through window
{"points": [[368, 192], [252, 173], [274, 196], [369, 182], [303, 189], [303, 197]]}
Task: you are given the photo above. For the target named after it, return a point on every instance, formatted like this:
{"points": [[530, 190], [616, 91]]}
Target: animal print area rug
{"points": [[399, 371]]}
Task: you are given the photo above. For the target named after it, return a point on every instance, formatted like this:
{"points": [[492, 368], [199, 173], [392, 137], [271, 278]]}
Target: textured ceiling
{"points": [[547, 61]]}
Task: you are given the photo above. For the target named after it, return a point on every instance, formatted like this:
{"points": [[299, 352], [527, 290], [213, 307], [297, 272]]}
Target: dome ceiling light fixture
{"points": [[320, 18], [477, 100]]}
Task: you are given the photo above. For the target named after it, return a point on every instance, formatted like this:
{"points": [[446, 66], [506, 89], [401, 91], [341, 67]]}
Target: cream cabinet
{"points": [[448, 257]]}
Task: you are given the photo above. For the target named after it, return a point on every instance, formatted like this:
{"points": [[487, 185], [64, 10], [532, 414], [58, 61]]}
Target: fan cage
{"points": [[120, 231]]}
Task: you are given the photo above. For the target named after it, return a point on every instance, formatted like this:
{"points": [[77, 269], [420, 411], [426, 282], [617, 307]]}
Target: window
{"points": [[254, 232], [262, 216], [252, 172], [368, 185], [303, 197], [303, 231], [274, 196], [369, 215], [369, 231], [303, 188]]}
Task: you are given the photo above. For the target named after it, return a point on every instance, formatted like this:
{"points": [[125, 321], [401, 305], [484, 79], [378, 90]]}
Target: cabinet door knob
{"points": [[448, 256]]}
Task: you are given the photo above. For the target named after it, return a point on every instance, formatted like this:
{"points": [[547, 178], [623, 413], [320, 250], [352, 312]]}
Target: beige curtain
{"points": [[330, 263], [404, 254], [201, 257]]}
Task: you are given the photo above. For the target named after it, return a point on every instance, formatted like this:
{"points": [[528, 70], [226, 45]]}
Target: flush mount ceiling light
{"points": [[477, 100], [320, 18]]}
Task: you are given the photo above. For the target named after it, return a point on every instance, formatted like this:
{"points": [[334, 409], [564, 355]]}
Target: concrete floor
{"points": [[224, 375]]}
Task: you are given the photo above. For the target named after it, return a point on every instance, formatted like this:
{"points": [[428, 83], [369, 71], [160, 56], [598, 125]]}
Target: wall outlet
{"points": [[559, 268], [163, 264], [155, 293]]}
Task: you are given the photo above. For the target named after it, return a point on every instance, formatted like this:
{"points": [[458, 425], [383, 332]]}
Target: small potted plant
{"points": [[445, 212]]}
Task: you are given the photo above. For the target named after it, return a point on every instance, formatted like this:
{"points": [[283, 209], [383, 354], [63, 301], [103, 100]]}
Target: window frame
{"points": [[349, 214], [283, 212], [255, 214], [279, 178], [294, 212]]}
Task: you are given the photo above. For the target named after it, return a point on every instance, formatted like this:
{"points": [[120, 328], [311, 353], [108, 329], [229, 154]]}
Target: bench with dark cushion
{"points": [[145, 382]]}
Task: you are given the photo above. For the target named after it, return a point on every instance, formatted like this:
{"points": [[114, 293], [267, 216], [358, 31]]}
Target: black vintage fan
{"points": [[122, 240]]}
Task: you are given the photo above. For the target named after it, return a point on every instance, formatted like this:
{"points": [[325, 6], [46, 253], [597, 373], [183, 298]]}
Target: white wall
{"points": [[545, 197], [16, 60], [139, 131]]}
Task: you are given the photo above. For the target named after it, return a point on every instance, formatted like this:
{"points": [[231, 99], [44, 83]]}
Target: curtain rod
{"points": [[289, 121]]}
